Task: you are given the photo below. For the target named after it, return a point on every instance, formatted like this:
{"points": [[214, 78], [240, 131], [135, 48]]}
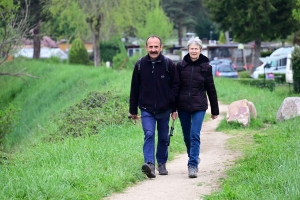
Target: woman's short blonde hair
{"points": [[194, 40]]}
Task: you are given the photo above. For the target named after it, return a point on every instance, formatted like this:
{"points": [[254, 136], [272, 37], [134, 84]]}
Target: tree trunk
{"points": [[36, 41], [95, 29], [96, 49], [256, 54], [179, 34], [227, 37]]}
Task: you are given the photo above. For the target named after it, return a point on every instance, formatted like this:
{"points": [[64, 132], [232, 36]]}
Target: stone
{"points": [[290, 108], [241, 111]]}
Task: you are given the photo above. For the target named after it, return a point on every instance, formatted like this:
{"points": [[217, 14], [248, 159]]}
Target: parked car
{"points": [[222, 60], [225, 70]]}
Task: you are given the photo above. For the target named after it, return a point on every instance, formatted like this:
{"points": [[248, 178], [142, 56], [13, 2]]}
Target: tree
{"points": [[153, 19], [78, 53], [103, 19], [255, 20], [183, 13], [83, 15], [222, 39], [37, 15], [13, 27]]}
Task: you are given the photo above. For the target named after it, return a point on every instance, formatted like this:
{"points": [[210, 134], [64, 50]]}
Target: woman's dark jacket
{"points": [[196, 80], [154, 87]]}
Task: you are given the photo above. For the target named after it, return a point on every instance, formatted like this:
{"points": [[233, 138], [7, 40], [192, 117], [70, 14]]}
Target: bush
{"points": [[7, 121], [265, 53], [119, 61], [260, 83], [78, 53], [296, 68], [108, 49], [244, 74], [90, 115]]}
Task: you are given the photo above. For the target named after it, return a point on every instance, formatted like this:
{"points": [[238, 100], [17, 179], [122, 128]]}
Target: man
{"points": [[154, 88]]}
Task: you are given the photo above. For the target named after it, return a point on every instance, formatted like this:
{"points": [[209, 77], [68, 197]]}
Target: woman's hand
{"points": [[214, 116], [174, 115]]}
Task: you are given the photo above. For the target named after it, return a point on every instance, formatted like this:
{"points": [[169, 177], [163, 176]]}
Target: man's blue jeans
{"points": [[149, 123], [191, 124]]}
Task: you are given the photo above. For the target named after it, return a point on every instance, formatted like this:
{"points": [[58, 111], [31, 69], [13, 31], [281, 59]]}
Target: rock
{"points": [[241, 111], [289, 108]]}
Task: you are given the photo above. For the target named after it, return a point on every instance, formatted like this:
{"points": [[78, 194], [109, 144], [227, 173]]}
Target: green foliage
{"points": [[91, 114], [296, 10], [108, 49], [119, 61], [78, 53], [244, 74], [7, 120], [222, 39], [265, 53], [296, 68], [153, 19], [272, 20], [184, 13], [260, 83]]}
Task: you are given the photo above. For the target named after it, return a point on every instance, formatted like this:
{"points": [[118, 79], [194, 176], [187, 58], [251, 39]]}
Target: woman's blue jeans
{"points": [[149, 123], [191, 124]]}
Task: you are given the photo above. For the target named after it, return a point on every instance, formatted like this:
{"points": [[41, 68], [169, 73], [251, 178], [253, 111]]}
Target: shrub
{"points": [[88, 116], [265, 53], [120, 60], [244, 74], [108, 49], [296, 68], [260, 83], [7, 121], [78, 53]]}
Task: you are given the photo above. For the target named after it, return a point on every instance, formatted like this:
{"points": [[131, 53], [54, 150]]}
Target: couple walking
{"points": [[160, 89]]}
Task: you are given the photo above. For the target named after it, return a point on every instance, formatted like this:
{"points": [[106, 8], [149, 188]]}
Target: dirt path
{"points": [[215, 158]]}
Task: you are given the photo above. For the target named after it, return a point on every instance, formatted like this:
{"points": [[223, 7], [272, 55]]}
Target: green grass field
{"points": [[41, 160]]}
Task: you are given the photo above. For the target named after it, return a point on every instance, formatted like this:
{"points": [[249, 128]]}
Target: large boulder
{"points": [[241, 111], [290, 108]]}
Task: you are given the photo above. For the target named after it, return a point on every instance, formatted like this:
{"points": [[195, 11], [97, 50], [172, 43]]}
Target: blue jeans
{"points": [[149, 123], [191, 124]]}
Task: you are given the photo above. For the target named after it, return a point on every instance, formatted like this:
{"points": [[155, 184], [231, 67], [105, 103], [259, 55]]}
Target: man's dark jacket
{"points": [[196, 80], [153, 88]]}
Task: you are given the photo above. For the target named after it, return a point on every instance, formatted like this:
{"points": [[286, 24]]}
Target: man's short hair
{"points": [[154, 36]]}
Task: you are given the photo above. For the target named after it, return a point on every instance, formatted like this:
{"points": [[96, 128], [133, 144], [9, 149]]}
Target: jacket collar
{"points": [[187, 60]]}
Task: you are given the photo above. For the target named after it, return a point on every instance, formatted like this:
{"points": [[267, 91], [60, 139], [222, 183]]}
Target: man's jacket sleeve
{"points": [[134, 91]]}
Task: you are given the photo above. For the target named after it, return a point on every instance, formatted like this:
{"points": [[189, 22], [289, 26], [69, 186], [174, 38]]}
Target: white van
{"points": [[275, 63], [289, 69]]}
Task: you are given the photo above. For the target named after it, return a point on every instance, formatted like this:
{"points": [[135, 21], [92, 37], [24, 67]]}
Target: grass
{"points": [[94, 166]]}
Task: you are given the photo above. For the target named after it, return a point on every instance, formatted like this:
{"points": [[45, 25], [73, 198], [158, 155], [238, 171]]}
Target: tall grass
{"points": [[57, 87], [93, 167]]}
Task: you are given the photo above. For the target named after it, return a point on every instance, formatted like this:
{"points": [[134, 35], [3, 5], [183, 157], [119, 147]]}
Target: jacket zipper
{"points": [[191, 85], [153, 63]]}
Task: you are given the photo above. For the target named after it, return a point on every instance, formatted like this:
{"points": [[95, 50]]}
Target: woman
{"points": [[196, 81]]}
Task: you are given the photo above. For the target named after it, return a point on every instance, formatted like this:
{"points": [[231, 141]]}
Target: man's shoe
{"points": [[193, 171], [149, 170], [162, 169]]}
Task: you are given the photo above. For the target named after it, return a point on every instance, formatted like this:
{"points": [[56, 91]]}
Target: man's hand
{"points": [[133, 117], [174, 115], [214, 116], [130, 116]]}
